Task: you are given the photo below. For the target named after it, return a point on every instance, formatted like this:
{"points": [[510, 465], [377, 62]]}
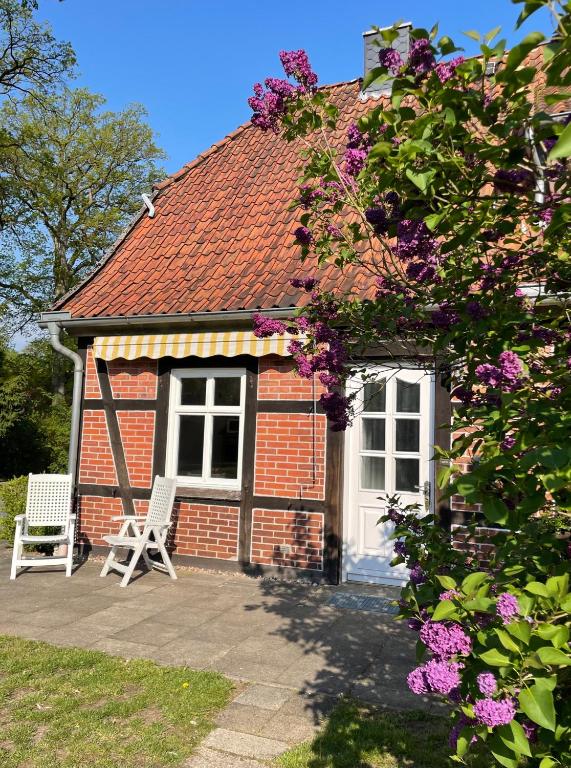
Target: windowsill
{"points": [[199, 492]]}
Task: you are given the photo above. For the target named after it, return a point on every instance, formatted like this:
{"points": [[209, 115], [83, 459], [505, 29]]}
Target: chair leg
{"points": [[137, 552], [15, 557], [166, 559], [108, 562], [71, 536]]}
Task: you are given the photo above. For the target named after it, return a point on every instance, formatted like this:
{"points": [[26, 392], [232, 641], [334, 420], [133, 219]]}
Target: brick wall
{"points": [[137, 435], [287, 538], [96, 460], [478, 546], [92, 389], [95, 513], [205, 530], [133, 379], [290, 447], [277, 380]]}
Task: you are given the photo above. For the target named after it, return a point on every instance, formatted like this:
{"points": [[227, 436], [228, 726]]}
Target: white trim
{"points": [[208, 410]]}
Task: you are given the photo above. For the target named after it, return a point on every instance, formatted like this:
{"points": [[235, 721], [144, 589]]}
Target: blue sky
{"points": [[192, 63]]}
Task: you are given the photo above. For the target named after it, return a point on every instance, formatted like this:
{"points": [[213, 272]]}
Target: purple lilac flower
{"points": [[494, 712], [307, 283], [417, 681], [267, 326], [414, 624], [507, 607], [417, 575], [487, 683], [336, 408], [329, 380], [421, 57], [530, 730], [513, 180], [395, 516], [450, 594], [303, 236], [334, 231], [507, 443], [391, 59], [296, 64], [400, 548], [510, 366], [489, 374], [546, 215], [476, 311], [445, 640], [355, 161], [378, 219], [446, 70], [414, 240]]}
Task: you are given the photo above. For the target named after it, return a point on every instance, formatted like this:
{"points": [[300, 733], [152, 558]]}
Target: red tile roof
{"points": [[222, 234]]}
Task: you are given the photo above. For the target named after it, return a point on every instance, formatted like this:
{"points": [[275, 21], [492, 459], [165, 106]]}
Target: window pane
{"points": [[374, 396], [225, 432], [408, 397], [373, 434], [193, 391], [227, 391], [190, 445], [373, 473], [407, 437], [407, 474]]}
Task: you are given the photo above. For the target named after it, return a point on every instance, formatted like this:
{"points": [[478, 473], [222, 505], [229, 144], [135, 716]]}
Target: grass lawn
{"points": [[356, 736], [72, 708]]}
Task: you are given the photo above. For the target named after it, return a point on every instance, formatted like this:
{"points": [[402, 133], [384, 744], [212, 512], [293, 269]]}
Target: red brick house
{"points": [[173, 381]]}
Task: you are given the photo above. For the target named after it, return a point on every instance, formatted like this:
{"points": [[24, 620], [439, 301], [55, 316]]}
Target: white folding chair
{"points": [[48, 504], [157, 521]]}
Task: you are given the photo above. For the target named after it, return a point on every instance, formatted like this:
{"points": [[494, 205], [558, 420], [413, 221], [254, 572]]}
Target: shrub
{"points": [[12, 503]]}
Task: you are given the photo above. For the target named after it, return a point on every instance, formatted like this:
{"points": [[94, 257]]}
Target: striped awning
{"points": [[202, 344]]}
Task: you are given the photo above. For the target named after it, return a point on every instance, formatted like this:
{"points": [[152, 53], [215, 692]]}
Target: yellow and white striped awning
{"points": [[200, 344]]}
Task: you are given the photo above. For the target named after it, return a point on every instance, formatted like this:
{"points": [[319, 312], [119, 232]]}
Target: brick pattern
{"points": [[205, 530], [289, 447], [92, 390], [95, 513], [478, 546], [137, 435], [287, 539], [133, 379], [96, 463], [458, 503], [277, 380]]}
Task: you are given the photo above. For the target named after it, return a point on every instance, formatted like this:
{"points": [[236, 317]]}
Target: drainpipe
{"points": [[52, 321]]}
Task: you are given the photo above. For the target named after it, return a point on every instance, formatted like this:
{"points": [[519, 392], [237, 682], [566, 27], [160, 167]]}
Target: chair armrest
{"points": [[19, 518], [129, 517], [73, 518]]}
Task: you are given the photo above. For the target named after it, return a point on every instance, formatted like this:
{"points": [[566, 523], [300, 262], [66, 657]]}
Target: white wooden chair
{"points": [[48, 504], [157, 521]]}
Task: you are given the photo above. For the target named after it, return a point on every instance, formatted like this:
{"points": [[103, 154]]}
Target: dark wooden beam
{"points": [[122, 405], [248, 462], [333, 531], [289, 406], [125, 489]]}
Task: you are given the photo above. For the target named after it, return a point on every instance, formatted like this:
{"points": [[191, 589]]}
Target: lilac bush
{"points": [[454, 199]]}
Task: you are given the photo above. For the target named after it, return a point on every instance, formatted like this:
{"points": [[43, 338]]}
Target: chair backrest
{"points": [[49, 500], [162, 500]]}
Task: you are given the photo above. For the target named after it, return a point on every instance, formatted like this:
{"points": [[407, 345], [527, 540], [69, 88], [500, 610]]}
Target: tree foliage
{"points": [[73, 177], [454, 197]]}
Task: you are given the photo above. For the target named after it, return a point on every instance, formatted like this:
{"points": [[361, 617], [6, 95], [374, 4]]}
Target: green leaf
{"points": [[503, 754], [554, 656], [506, 640], [547, 762], [537, 703], [563, 146], [521, 630], [519, 52], [495, 658], [421, 180], [473, 34], [492, 33], [537, 588], [473, 581], [443, 610], [514, 737], [446, 581], [377, 74], [495, 510]]}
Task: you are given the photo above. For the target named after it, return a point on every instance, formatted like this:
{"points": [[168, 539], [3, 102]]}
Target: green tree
{"points": [[73, 177], [454, 196]]}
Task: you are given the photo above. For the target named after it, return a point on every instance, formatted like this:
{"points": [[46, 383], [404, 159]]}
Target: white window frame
{"points": [[208, 411]]}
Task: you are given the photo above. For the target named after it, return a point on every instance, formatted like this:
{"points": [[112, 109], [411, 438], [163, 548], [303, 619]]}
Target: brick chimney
{"points": [[372, 39]]}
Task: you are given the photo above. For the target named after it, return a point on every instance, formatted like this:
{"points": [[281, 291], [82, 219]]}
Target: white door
{"points": [[388, 451]]}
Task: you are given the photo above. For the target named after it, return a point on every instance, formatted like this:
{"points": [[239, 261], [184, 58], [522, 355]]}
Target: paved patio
{"points": [[291, 653]]}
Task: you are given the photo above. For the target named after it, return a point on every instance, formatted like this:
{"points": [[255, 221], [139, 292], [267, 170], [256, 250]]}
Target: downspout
{"points": [[54, 329]]}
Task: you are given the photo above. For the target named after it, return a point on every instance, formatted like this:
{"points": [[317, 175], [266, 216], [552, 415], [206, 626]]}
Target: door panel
{"points": [[388, 451]]}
